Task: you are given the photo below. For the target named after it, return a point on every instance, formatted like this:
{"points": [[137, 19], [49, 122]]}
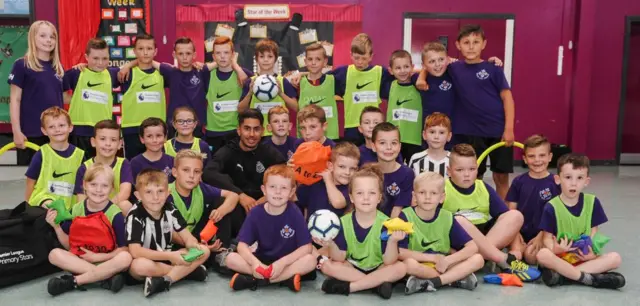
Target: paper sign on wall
{"points": [[300, 58], [258, 31], [328, 47], [266, 12], [225, 30], [308, 36]]}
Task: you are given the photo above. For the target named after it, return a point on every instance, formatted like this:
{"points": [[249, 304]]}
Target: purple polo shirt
{"points": [[479, 111], [531, 195], [186, 88], [368, 156], [164, 164], [277, 236], [287, 148], [441, 96], [398, 188], [314, 197], [40, 90]]}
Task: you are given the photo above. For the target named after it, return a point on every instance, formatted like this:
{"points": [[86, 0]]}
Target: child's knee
{"points": [[399, 269], [544, 256], [616, 259], [56, 256], [515, 217], [123, 259], [234, 260], [411, 264], [327, 267], [204, 256], [142, 267], [477, 261]]}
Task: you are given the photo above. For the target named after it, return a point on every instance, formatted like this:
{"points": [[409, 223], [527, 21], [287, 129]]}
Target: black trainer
{"points": [[200, 274], [61, 284], [552, 278], [608, 280], [243, 281], [293, 283], [115, 283], [335, 286], [384, 290], [153, 285], [311, 276]]}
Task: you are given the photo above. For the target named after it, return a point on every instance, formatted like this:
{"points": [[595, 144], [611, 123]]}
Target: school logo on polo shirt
{"points": [[287, 232], [194, 80], [393, 189], [445, 86], [167, 171], [259, 167], [482, 75], [545, 194]]}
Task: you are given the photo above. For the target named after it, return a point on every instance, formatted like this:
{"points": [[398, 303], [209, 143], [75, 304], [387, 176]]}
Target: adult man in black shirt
{"points": [[239, 166]]}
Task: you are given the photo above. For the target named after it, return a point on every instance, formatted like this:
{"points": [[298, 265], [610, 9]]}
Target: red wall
{"points": [[608, 44], [46, 10], [558, 107]]}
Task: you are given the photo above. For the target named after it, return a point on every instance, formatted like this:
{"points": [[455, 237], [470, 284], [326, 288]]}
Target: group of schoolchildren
{"points": [[155, 203]]}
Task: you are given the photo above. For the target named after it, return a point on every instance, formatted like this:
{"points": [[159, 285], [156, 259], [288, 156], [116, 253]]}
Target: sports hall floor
{"points": [[617, 187]]}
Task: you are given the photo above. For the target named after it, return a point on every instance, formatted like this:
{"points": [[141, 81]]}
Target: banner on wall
{"points": [[13, 45], [14, 7], [120, 22]]}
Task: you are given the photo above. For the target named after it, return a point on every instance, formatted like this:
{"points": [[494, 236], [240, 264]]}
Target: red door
{"points": [[631, 122]]}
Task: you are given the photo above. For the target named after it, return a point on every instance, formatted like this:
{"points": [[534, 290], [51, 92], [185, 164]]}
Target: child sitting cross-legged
{"points": [[94, 240], [427, 251], [284, 247], [151, 226], [360, 259]]}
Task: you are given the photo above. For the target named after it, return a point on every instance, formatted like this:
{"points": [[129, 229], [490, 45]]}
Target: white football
{"points": [[324, 224], [265, 88]]}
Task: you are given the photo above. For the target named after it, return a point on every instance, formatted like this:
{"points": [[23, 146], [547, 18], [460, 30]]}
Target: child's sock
{"points": [[586, 278], [507, 263], [168, 279]]}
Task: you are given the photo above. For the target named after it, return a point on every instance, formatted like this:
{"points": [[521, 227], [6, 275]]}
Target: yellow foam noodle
{"points": [[12, 145], [495, 146], [397, 224]]}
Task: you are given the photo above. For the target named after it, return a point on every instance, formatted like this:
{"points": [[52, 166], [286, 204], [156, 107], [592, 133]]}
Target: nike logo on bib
{"points": [[402, 102], [93, 85], [145, 87], [58, 175], [426, 244], [218, 96], [316, 102], [358, 86], [358, 259]]}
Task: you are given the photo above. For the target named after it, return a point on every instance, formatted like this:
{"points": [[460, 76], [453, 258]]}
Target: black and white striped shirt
{"points": [[151, 233], [421, 162]]}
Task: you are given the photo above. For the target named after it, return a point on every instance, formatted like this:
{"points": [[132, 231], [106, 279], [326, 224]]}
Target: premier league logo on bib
{"points": [[259, 167], [287, 232], [445, 86], [482, 75], [393, 189], [217, 106]]}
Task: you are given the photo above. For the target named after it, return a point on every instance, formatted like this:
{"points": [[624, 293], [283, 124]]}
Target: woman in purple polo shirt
{"points": [[36, 84]]}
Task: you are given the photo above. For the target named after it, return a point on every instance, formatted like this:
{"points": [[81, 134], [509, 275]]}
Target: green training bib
{"points": [[323, 96], [193, 214], [57, 176], [474, 207], [362, 90], [144, 98], [567, 223], [432, 237], [366, 255], [404, 110], [92, 99], [222, 100]]}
